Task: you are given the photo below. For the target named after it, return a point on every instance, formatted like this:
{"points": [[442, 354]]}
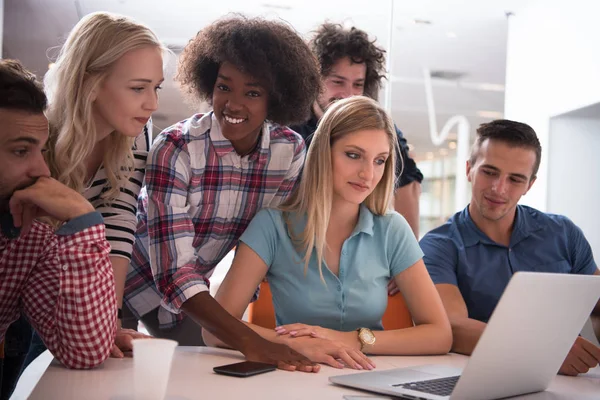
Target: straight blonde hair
{"points": [[93, 46], [314, 195]]}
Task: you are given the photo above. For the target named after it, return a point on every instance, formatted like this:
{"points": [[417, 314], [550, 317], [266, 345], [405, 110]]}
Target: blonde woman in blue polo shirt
{"points": [[330, 250]]}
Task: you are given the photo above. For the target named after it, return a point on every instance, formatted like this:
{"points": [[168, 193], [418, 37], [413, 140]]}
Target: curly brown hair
{"points": [[270, 51], [332, 42]]}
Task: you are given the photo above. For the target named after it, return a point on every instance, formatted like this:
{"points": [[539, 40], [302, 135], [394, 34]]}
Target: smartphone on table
{"points": [[244, 369]]}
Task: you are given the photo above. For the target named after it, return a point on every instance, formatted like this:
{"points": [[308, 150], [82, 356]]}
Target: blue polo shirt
{"points": [[459, 253], [379, 248]]}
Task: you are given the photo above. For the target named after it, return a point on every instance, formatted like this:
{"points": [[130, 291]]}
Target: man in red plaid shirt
{"points": [[61, 280]]}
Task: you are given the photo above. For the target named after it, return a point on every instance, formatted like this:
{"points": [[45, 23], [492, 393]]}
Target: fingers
{"points": [[115, 352], [568, 370], [327, 359], [133, 334], [303, 332], [392, 288], [51, 197], [28, 216], [307, 366], [353, 359], [298, 365], [16, 210], [124, 338], [367, 359], [285, 329], [582, 356], [285, 366], [589, 347]]}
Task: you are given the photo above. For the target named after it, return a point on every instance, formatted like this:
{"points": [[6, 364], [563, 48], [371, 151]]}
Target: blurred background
{"points": [[533, 61]]}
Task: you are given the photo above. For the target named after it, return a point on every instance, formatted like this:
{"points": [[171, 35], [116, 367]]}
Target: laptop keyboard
{"points": [[439, 387]]}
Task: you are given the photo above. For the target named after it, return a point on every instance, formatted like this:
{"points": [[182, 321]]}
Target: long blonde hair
{"points": [[314, 195], [84, 61]]}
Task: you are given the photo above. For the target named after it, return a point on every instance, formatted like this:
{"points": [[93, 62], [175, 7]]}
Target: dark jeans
{"points": [[16, 345], [188, 333]]}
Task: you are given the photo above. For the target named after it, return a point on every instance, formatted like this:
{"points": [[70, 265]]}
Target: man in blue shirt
{"points": [[472, 257]]}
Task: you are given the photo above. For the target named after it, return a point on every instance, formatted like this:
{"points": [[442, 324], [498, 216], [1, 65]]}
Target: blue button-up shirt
{"points": [[459, 253], [379, 248]]}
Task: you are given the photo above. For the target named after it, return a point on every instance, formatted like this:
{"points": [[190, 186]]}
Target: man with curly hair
{"points": [[207, 177], [351, 64]]}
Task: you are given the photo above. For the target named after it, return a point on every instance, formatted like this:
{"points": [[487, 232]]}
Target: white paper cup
{"points": [[151, 367]]}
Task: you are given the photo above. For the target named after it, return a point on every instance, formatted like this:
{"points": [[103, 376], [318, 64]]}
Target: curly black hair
{"points": [[270, 51], [332, 42]]}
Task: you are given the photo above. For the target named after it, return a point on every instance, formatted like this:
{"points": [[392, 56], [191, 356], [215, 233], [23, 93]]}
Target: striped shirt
{"points": [[119, 215], [200, 196]]}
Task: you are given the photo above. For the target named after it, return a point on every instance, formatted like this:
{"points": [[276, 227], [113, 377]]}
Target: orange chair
{"points": [[261, 312]]}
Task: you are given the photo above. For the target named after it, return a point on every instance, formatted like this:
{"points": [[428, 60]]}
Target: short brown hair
{"points": [[332, 42], [516, 134], [20, 89], [270, 51]]}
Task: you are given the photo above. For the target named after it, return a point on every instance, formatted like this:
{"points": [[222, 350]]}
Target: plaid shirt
{"points": [[200, 196], [63, 282]]}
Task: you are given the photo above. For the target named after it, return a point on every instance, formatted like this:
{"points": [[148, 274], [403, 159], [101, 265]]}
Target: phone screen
{"points": [[243, 369]]}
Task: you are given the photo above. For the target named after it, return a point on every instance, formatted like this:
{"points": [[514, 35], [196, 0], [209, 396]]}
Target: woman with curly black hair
{"points": [[208, 175]]}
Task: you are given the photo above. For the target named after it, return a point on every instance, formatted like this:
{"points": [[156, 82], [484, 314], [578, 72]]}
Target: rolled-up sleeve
{"points": [[70, 296]]}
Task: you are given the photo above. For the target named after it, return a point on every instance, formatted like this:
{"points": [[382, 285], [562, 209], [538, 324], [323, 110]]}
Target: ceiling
{"points": [[467, 37]]}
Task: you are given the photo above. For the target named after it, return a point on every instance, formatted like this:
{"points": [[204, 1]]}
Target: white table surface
{"points": [[192, 377]]}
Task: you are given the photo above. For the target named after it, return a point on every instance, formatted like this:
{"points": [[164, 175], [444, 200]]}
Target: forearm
{"points": [[208, 313], [406, 202], [265, 333], [418, 340], [119, 266], [466, 333]]}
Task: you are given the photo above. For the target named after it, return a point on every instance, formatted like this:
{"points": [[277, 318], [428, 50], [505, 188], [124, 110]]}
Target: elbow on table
{"points": [[85, 358], [444, 339]]}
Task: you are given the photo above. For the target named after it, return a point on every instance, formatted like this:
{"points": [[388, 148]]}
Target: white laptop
{"points": [[526, 341]]}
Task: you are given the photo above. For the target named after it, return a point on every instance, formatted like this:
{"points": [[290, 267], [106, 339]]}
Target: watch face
{"points": [[367, 336]]}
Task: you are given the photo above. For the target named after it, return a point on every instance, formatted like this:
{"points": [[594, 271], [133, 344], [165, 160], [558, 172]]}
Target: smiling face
{"points": [[23, 136], [500, 175], [128, 95], [240, 105], [358, 162], [344, 80]]}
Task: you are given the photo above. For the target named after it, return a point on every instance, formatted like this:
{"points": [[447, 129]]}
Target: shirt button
{"points": [[64, 267], [339, 306]]}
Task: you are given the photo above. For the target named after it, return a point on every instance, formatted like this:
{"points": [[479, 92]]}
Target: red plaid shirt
{"points": [[200, 196], [63, 282]]}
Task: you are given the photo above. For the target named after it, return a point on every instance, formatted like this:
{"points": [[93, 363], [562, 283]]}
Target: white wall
{"points": [[553, 67], [1, 25], [573, 184]]}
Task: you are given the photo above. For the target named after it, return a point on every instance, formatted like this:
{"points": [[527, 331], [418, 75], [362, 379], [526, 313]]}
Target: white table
{"points": [[192, 377]]}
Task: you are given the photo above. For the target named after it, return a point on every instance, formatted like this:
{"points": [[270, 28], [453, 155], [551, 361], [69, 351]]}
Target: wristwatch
{"points": [[366, 337]]}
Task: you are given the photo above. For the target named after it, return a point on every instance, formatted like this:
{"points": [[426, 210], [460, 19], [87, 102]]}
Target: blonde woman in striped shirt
{"points": [[102, 91]]}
